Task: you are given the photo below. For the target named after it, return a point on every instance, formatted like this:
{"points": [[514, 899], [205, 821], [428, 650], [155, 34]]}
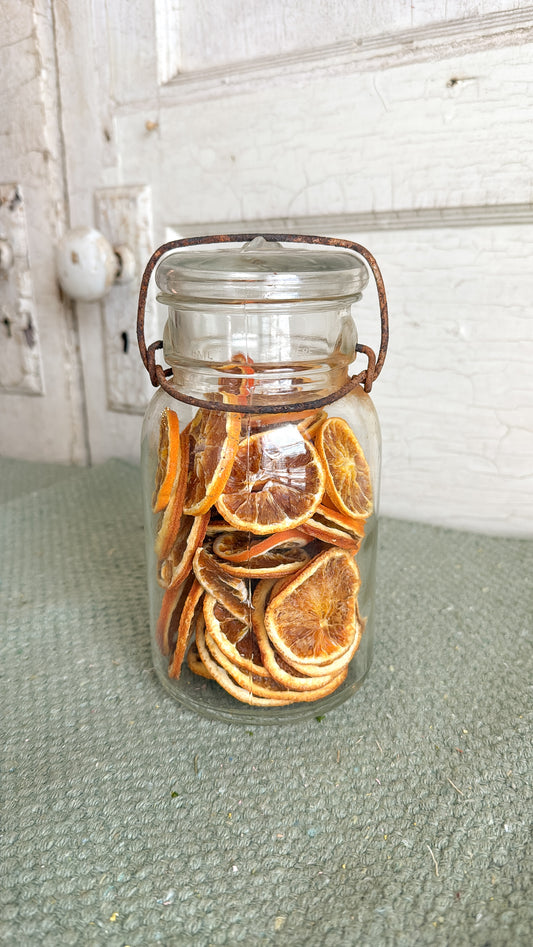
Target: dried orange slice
{"points": [[231, 591], [337, 665], [238, 377], [256, 423], [185, 628], [196, 664], [279, 669], [286, 560], [213, 439], [347, 475], [168, 457], [332, 528], [355, 525], [240, 547], [277, 555], [170, 519], [225, 680], [276, 482], [313, 619], [312, 424], [218, 525], [236, 639], [175, 567], [166, 630], [266, 687]]}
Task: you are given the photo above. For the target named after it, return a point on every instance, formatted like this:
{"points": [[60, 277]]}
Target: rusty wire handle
{"points": [[158, 375]]}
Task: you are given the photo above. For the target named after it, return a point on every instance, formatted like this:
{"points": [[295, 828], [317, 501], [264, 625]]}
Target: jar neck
{"points": [[294, 351]]}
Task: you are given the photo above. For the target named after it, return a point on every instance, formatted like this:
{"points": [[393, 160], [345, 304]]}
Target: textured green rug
{"points": [[402, 818]]}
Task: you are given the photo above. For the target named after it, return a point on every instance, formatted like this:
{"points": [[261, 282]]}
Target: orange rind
{"points": [[310, 426], [236, 639], [241, 547], [313, 619], [330, 528], [168, 458], [231, 591], [173, 569], [258, 423], [276, 482], [238, 377], [169, 520], [266, 559], [213, 440], [276, 666], [166, 629], [185, 629], [225, 680], [195, 663], [266, 687], [348, 483]]}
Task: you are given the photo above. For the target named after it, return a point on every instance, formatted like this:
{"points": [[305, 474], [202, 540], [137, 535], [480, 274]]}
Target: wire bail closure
{"points": [[159, 375]]}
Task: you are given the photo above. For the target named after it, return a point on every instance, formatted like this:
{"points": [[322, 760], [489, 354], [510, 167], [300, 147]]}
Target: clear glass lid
{"points": [[260, 271]]}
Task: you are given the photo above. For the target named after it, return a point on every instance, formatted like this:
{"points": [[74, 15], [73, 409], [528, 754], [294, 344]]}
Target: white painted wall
{"points": [[405, 125]]}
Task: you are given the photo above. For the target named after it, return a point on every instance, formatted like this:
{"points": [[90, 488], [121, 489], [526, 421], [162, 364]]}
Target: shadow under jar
{"points": [[261, 463]]}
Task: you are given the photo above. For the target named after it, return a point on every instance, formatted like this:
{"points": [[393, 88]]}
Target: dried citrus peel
{"points": [[239, 547], [167, 459], [277, 559], [325, 528], [276, 482], [231, 591], [178, 563], [195, 664], [274, 664], [170, 518], [236, 639], [313, 618], [213, 439], [185, 629], [241, 385], [311, 426], [166, 628], [224, 679], [348, 482], [266, 687]]}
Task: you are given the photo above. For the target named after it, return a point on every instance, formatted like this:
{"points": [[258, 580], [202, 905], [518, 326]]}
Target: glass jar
{"points": [[261, 465]]}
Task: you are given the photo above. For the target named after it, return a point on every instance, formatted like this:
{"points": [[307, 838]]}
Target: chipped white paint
{"points": [[237, 31], [50, 426], [20, 350], [361, 37], [400, 140], [456, 396], [168, 25], [124, 215], [405, 124]]}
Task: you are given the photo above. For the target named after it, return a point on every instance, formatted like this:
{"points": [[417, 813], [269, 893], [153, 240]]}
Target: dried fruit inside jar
{"points": [[258, 557]]}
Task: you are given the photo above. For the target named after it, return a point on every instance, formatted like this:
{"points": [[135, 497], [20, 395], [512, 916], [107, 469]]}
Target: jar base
{"points": [[194, 694]]}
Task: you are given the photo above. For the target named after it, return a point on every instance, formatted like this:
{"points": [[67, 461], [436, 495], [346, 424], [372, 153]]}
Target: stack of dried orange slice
{"points": [[260, 518]]}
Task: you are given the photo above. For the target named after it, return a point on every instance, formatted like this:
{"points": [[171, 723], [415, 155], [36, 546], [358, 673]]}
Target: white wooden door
{"points": [[41, 398], [404, 124]]}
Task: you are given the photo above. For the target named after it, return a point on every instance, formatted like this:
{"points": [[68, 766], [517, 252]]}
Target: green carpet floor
{"points": [[401, 818]]}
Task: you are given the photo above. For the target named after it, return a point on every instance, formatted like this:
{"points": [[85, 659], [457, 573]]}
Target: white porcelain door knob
{"points": [[88, 266]]}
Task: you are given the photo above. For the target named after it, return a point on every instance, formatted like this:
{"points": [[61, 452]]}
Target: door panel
{"points": [[41, 402], [404, 125]]}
